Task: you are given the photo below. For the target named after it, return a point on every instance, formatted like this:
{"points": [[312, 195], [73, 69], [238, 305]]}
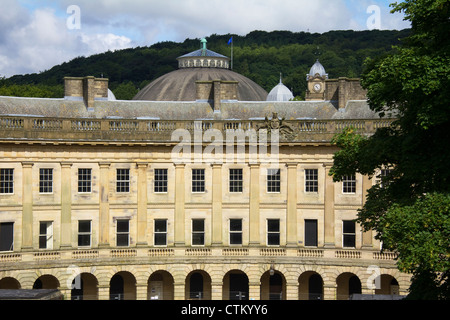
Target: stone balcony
{"points": [[122, 131]]}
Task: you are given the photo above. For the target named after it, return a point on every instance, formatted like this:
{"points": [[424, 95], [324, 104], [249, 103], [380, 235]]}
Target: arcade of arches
{"points": [[197, 284]]}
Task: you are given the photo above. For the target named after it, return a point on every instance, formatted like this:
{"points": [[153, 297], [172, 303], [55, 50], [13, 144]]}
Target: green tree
{"points": [[125, 91], [410, 209]]}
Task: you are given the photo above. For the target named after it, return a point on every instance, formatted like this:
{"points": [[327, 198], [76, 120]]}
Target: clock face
{"points": [[317, 87]]}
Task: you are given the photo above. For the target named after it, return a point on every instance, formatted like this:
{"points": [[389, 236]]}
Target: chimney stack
{"points": [[87, 89]]}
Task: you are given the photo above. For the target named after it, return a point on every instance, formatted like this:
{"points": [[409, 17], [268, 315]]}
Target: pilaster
{"points": [[291, 223], [179, 205], [142, 204], [104, 204], [27, 206], [329, 237], [66, 205], [254, 205]]}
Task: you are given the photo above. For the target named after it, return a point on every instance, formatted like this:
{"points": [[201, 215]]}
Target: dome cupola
{"points": [[280, 93], [317, 70]]}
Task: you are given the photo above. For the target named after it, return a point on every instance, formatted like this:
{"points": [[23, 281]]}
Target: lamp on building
{"points": [[272, 269]]}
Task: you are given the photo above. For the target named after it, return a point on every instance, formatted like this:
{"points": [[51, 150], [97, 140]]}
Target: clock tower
{"points": [[316, 82]]}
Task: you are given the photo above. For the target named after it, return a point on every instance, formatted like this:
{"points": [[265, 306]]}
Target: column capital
{"points": [[142, 164], [27, 164], [291, 164], [104, 164], [66, 164]]}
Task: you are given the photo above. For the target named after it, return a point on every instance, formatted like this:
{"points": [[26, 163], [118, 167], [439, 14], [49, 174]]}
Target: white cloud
{"points": [[38, 41], [35, 36]]}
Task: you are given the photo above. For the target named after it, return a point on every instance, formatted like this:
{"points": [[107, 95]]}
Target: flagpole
{"points": [[231, 42]]}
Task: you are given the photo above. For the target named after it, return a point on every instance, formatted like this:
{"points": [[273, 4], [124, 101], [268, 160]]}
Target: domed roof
{"points": [[280, 93], [318, 68], [179, 85], [199, 65]]}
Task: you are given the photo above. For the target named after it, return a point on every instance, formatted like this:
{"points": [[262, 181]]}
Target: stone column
{"points": [[179, 205], [179, 290], [142, 205], [66, 205], [216, 290], [329, 239], [291, 291], [367, 236], [254, 205], [254, 289], [291, 214], [104, 204], [216, 204], [27, 206]]}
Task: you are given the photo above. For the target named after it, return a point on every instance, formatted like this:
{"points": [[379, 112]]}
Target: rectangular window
{"points": [[45, 180], [84, 180], [311, 180], [273, 180], [123, 233], [160, 180], [123, 180], [349, 184], [311, 233], [160, 232], [349, 235], [46, 235], [273, 232], [384, 173], [235, 180], [84, 233], [7, 236], [198, 180], [6, 181], [235, 231], [198, 232]]}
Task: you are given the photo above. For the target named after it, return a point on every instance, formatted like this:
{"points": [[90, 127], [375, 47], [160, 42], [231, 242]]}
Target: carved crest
{"points": [[286, 131]]}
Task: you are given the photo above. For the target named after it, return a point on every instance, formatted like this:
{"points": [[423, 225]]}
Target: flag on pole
{"points": [[230, 41]]}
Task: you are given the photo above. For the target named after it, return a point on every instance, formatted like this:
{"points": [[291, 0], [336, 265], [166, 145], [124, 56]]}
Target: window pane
{"points": [[160, 181], [273, 180], [84, 240], [235, 224], [160, 239], [235, 180], [198, 238], [349, 227], [236, 238], [311, 233], [6, 236], [160, 226], [198, 225], [6, 180], [311, 180], [123, 180], [273, 225], [84, 226], [45, 180], [122, 240], [123, 225], [349, 240], [273, 239], [198, 180], [84, 180]]}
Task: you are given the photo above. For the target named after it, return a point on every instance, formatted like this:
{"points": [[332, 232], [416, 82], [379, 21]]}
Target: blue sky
{"points": [[35, 34]]}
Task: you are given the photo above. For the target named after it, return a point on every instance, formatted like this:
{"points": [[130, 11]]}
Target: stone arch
{"points": [[348, 283], [236, 285], [84, 287], [122, 286], [198, 285], [9, 283], [273, 285], [311, 284], [46, 281], [160, 285]]}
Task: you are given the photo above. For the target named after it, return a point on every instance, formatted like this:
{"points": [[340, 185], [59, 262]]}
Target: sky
{"points": [[36, 35]]}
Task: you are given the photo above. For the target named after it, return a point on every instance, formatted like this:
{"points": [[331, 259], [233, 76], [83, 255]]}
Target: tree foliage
{"points": [[259, 55], [409, 211]]}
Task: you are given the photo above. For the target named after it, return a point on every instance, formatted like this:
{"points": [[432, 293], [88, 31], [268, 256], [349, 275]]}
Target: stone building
{"points": [[94, 200]]}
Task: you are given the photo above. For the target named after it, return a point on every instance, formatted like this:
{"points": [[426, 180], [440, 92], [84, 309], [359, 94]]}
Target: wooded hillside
{"points": [[260, 56]]}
